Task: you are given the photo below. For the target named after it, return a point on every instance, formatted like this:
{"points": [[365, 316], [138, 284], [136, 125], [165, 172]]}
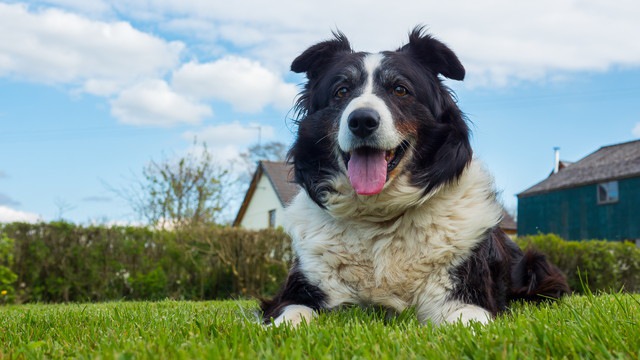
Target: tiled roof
{"points": [[608, 163], [281, 176], [507, 222]]}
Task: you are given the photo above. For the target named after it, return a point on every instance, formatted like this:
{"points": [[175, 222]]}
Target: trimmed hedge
{"points": [[59, 262], [608, 266], [7, 276]]}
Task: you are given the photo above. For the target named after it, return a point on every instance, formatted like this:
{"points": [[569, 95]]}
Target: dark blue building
{"points": [[597, 197]]}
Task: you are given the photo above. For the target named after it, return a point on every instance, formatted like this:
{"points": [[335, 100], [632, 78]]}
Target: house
{"points": [[597, 197], [508, 224], [272, 188]]}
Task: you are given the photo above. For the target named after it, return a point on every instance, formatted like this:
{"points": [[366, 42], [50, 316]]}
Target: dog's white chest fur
{"points": [[378, 250]]}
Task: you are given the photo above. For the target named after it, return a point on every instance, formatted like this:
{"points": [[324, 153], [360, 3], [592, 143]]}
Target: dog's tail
{"points": [[535, 279]]}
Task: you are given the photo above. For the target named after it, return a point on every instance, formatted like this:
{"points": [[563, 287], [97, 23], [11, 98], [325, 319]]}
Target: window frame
{"points": [[608, 186], [271, 220]]}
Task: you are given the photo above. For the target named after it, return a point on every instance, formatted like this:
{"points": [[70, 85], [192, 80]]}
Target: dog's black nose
{"points": [[363, 122]]}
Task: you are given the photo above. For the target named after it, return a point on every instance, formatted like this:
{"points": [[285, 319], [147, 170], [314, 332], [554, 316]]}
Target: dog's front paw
{"points": [[294, 315], [469, 313]]}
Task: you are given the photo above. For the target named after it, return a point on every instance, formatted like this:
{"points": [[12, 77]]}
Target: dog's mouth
{"points": [[369, 168]]}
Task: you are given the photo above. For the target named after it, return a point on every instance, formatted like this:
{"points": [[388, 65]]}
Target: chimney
{"points": [[556, 166]]}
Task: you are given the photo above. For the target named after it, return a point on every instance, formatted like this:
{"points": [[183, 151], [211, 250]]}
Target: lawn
{"points": [[603, 326]]}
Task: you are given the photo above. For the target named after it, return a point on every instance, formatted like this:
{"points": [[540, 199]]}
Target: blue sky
{"points": [[91, 91]]}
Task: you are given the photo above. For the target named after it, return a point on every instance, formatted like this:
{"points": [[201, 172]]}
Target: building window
{"points": [[272, 219], [608, 192]]}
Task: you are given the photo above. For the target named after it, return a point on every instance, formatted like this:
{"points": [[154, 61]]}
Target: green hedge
{"points": [[56, 262], [602, 265], [7, 276], [59, 262]]}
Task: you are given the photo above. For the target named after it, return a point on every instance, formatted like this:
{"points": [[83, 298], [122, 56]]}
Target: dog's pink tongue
{"points": [[367, 170]]}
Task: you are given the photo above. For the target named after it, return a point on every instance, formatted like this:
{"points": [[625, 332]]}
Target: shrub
{"points": [[150, 286], [58, 261], [7, 276], [602, 265]]}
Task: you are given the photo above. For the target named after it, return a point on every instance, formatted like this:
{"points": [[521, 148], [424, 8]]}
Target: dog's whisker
{"points": [[414, 150], [326, 136]]}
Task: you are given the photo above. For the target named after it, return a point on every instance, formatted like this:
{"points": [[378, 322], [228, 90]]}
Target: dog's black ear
{"points": [[445, 153], [433, 54], [316, 58]]}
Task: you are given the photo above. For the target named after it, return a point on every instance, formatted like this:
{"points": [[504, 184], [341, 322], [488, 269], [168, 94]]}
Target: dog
{"points": [[394, 209]]}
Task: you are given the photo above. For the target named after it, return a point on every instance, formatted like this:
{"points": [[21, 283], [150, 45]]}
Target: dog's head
{"points": [[372, 118]]}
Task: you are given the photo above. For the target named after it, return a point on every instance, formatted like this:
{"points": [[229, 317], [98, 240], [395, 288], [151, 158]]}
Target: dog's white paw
{"points": [[294, 315], [469, 313]]}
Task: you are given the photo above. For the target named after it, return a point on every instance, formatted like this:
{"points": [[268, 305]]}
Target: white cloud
{"points": [[233, 133], [636, 130], [93, 7], [8, 215], [500, 41], [227, 141], [244, 83], [117, 61], [55, 46], [153, 102]]}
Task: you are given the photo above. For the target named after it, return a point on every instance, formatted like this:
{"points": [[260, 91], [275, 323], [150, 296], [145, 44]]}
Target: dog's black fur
{"points": [[436, 142]]}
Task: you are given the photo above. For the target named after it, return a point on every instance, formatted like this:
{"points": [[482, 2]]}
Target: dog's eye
{"points": [[400, 91], [342, 92]]}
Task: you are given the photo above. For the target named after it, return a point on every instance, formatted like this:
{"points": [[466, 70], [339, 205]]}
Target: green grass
{"points": [[603, 326]]}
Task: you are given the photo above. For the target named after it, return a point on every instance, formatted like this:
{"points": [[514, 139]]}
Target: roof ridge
{"points": [[607, 163], [618, 144], [279, 179]]}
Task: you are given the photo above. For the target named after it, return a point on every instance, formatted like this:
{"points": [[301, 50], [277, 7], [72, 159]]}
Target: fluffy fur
{"points": [[427, 238]]}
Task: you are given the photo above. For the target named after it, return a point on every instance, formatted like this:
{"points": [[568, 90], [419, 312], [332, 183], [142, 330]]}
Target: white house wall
{"points": [[263, 200]]}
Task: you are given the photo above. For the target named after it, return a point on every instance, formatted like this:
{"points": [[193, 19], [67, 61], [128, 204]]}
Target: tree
{"points": [[272, 151], [181, 192], [63, 207]]}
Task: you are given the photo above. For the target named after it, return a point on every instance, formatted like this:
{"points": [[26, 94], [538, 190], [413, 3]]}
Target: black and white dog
{"points": [[395, 211]]}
